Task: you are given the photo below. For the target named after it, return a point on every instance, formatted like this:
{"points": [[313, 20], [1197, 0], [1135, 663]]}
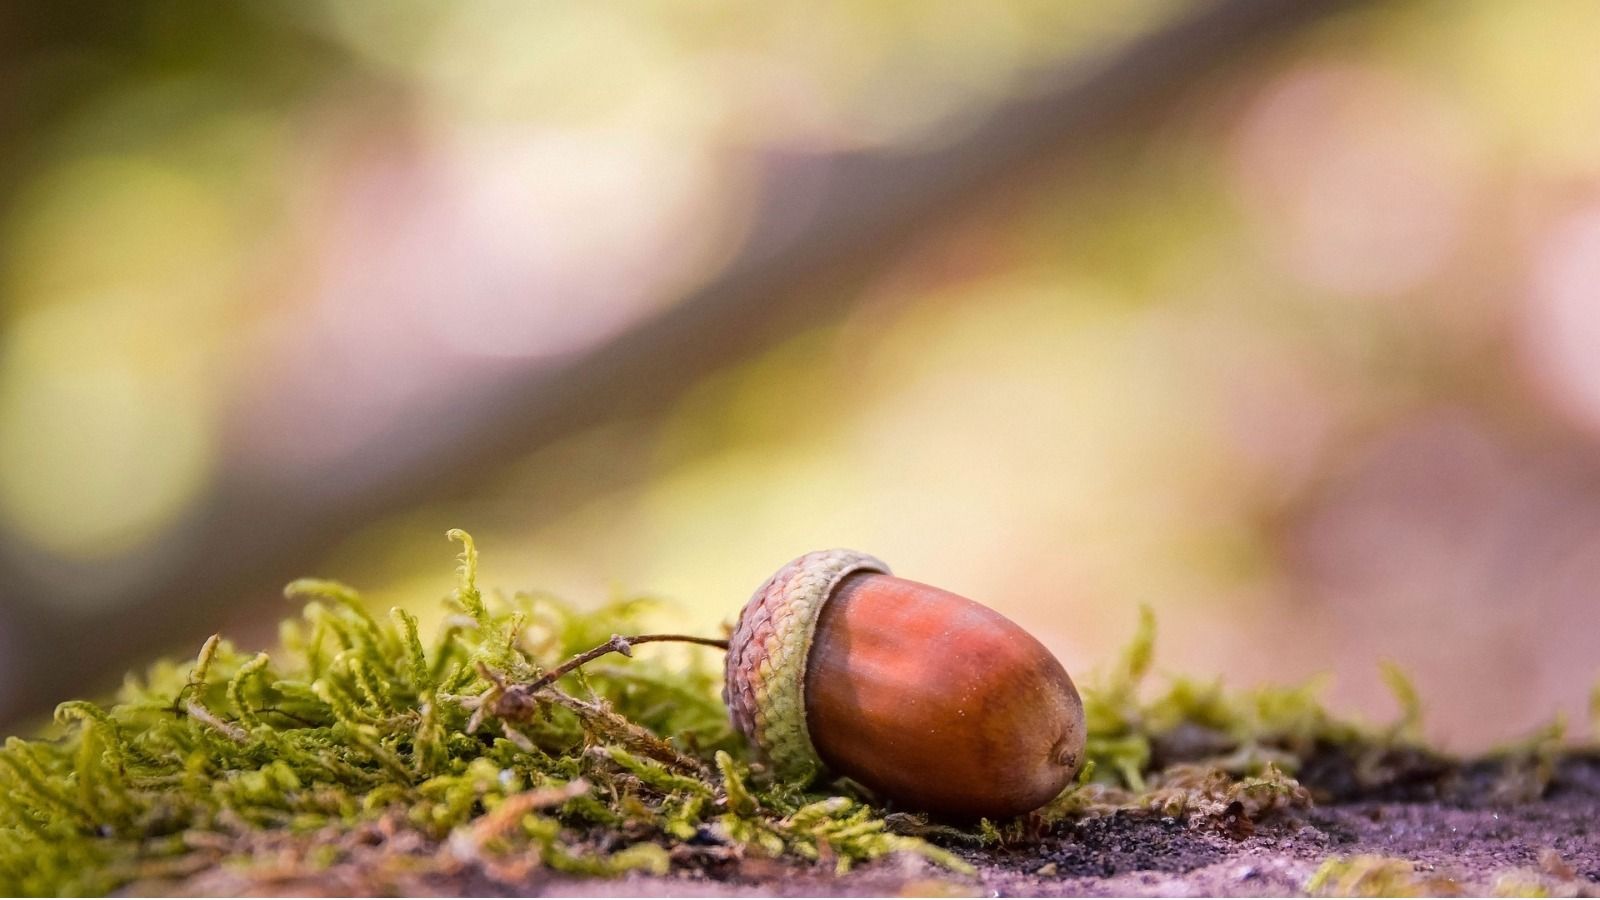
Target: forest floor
{"points": [[1443, 833]]}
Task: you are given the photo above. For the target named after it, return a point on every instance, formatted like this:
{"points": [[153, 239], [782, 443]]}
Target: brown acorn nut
{"points": [[933, 701]]}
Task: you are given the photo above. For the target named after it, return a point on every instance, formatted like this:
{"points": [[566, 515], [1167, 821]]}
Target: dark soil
{"points": [[1462, 830]]}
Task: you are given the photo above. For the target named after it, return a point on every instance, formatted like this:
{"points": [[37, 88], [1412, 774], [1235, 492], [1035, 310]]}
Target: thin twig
{"points": [[601, 717], [617, 644], [467, 842], [206, 717]]}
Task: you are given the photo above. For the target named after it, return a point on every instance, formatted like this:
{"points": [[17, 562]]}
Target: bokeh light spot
{"points": [[1561, 328], [97, 452], [1360, 179]]}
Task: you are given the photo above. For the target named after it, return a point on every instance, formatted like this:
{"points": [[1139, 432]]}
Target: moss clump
{"points": [[358, 720], [1370, 875], [1140, 747]]}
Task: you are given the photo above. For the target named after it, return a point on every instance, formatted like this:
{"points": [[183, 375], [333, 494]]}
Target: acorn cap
{"points": [[766, 674]]}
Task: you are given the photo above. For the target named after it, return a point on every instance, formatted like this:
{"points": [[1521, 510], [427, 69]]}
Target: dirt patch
{"points": [[1460, 843]]}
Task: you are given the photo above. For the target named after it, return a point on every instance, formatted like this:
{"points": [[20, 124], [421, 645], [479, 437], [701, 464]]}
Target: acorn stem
{"points": [[618, 644]]}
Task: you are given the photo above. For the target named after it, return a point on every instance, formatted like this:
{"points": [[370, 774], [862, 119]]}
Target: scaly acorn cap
{"points": [[766, 675]]}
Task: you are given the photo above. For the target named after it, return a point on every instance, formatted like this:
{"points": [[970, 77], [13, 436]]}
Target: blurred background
{"points": [[1282, 318]]}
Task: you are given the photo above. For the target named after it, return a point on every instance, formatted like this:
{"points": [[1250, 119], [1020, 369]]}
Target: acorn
{"points": [[930, 700]]}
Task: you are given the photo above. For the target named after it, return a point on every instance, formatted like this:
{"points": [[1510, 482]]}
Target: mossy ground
{"points": [[364, 756]]}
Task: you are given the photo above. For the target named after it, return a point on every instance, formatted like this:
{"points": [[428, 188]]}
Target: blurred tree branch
{"points": [[254, 537]]}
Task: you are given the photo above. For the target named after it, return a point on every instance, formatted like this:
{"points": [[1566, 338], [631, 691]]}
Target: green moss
{"points": [[1520, 884], [358, 719], [358, 726], [1135, 733], [1370, 875]]}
